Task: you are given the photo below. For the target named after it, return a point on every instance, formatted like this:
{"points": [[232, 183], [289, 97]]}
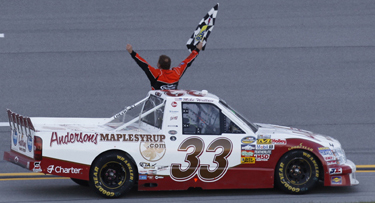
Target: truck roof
{"points": [[185, 94]]}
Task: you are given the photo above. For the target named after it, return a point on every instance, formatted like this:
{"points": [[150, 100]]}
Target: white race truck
{"points": [[173, 140]]}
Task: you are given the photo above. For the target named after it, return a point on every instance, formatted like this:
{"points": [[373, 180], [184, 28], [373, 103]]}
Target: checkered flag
{"points": [[203, 29]]}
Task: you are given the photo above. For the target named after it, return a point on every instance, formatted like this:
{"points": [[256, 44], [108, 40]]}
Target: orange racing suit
{"points": [[162, 79]]}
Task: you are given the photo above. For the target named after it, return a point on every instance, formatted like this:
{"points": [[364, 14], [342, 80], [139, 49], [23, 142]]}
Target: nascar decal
{"points": [[248, 140], [195, 167], [203, 30]]}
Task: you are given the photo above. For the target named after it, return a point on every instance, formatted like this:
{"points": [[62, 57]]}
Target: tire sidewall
{"points": [[96, 181], [281, 173]]}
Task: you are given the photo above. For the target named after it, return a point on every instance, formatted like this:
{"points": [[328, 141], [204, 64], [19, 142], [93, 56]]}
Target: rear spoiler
{"points": [[20, 123]]}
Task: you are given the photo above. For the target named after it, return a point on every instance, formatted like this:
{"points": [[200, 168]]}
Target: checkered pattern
{"points": [[203, 29]]}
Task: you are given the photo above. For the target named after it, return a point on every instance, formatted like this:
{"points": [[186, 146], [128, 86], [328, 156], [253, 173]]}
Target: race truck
{"points": [[175, 140]]}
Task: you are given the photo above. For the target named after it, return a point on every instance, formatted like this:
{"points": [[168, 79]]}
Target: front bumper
{"points": [[341, 175]]}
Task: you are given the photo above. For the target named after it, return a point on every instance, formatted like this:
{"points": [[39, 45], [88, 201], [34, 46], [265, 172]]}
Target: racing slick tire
{"points": [[80, 182], [297, 172], [112, 174]]}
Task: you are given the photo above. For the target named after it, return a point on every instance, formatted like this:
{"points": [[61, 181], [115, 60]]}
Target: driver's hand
{"points": [[199, 46]]}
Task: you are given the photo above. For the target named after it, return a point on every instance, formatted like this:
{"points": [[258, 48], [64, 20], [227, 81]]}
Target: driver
{"points": [[163, 77]]}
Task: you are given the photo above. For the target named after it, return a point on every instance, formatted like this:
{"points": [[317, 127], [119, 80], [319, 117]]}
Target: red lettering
{"points": [[72, 138], [53, 138]]}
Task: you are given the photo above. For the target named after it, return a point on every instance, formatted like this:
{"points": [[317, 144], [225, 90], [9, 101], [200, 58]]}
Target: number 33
{"points": [[203, 170]]}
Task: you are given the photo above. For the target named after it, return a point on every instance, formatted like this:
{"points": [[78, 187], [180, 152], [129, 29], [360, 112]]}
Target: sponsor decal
{"points": [[132, 137], [335, 170], [279, 141], [174, 111], [152, 151], [172, 132], [248, 146], [336, 180], [15, 137], [147, 165], [270, 146], [264, 141], [247, 153], [260, 151], [142, 177], [300, 147], [142, 171], [331, 162], [248, 140], [264, 136], [329, 158], [162, 168], [262, 157], [174, 117], [152, 172], [173, 138], [22, 145], [37, 168], [159, 177], [247, 160], [16, 159], [60, 170], [172, 125], [325, 151], [150, 177], [29, 143], [174, 104], [71, 138]]}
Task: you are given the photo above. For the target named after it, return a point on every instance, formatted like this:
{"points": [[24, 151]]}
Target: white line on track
{"points": [[3, 124], [2, 35]]}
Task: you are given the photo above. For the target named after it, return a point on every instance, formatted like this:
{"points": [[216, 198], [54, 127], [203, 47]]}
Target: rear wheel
{"points": [[112, 174], [297, 172]]}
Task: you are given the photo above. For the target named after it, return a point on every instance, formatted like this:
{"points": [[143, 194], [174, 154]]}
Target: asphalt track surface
{"points": [[305, 64]]}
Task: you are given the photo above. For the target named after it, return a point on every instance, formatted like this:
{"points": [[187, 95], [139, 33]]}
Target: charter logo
{"points": [[60, 170]]}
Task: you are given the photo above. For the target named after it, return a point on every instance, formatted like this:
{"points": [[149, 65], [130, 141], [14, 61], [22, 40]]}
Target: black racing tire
{"points": [[297, 172], [112, 174], [80, 182]]}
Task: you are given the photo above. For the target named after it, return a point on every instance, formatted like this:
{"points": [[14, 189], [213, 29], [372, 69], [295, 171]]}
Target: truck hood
{"points": [[283, 132]]}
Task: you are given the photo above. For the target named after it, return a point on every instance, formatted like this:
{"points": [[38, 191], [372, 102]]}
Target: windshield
{"points": [[251, 125], [150, 110]]}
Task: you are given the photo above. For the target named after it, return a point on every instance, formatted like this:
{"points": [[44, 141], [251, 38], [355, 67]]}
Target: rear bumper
{"points": [[21, 160], [341, 175]]}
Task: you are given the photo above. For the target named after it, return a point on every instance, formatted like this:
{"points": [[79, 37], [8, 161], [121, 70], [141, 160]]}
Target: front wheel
{"points": [[112, 174], [297, 172]]}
